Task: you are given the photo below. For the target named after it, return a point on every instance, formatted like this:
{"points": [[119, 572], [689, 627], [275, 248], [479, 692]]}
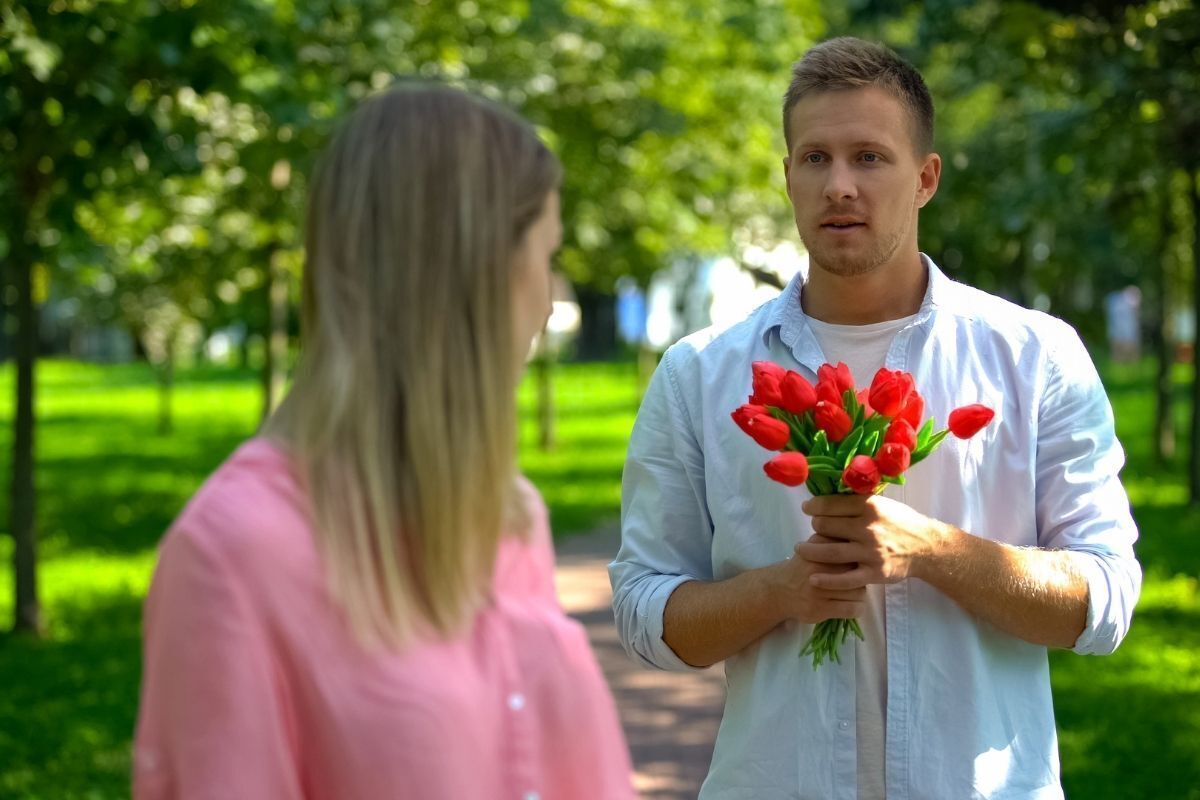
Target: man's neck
{"points": [[892, 291]]}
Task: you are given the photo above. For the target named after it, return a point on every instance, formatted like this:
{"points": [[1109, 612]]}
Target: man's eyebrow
{"points": [[864, 144]]}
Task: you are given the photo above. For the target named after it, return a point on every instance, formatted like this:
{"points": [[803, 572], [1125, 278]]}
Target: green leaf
{"points": [[848, 446], [806, 442], [868, 447], [924, 434], [825, 472], [851, 404], [820, 445]]}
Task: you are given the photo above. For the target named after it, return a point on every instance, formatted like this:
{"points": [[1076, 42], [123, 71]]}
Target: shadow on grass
{"points": [[1129, 723], [1129, 729], [113, 487], [1169, 541], [68, 706]]}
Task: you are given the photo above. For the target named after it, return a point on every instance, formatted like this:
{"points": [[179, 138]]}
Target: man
{"points": [[997, 548]]}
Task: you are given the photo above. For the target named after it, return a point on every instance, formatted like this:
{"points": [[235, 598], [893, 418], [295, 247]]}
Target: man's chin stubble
{"points": [[850, 266]]}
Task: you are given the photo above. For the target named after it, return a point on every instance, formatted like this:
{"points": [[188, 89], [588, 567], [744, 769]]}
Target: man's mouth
{"points": [[842, 223]]}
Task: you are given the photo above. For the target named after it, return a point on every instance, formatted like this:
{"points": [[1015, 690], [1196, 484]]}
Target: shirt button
{"points": [[532, 796], [844, 726], [516, 701]]}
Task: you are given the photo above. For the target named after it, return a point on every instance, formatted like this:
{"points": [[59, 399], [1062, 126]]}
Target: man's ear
{"points": [[787, 174], [931, 174]]}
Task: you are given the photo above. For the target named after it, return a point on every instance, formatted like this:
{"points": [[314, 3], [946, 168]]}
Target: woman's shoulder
{"points": [[249, 513], [525, 560]]}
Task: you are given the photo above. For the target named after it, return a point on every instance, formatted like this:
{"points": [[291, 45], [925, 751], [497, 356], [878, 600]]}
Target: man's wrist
{"points": [[945, 544], [771, 581]]}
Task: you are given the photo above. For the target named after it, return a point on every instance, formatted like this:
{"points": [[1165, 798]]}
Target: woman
{"points": [[359, 603]]}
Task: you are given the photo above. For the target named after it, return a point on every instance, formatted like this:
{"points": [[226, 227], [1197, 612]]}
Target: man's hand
{"points": [[873, 539], [1037, 595], [706, 622], [801, 598]]}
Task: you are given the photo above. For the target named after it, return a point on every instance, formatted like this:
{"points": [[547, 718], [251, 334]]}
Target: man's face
{"points": [[855, 180]]}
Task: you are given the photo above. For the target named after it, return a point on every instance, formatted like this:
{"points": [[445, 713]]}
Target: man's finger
{"points": [[843, 580], [841, 609], [835, 505], [835, 553], [843, 529]]}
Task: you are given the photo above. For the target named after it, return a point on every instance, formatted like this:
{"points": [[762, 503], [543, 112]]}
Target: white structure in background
{"points": [[1122, 315], [563, 325], [692, 294]]}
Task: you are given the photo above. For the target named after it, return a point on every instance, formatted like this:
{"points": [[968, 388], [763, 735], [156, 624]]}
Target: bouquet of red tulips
{"points": [[836, 440]]}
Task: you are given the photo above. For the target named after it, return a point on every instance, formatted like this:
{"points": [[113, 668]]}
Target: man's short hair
{"points": [[849, 63]]}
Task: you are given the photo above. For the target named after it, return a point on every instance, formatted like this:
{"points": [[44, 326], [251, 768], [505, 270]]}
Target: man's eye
{"points": [[813, 158], [870, 157]]}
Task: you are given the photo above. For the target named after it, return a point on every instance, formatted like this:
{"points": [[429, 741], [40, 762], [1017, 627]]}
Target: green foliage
{"points": [[1060, 130], [159, 152], [1129, 724]]}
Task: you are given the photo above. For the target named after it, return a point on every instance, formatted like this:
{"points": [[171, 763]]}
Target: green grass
{"points": [[109, 485], [1129, 724]]}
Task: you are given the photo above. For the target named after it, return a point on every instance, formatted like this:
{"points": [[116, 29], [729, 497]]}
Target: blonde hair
{"points": [[402, 417], [850, 63]]}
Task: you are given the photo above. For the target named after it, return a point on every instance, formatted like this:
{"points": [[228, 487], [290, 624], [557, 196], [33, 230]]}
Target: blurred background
{"points": [[154, 156]]}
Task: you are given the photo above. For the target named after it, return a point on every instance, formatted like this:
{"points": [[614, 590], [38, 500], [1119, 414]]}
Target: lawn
{"points": [[109, 484]]}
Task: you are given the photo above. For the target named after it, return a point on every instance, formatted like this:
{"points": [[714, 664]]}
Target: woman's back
{"points": [[257, 687]]}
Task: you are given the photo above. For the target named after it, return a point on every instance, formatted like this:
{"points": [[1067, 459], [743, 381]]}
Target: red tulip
{"points": [[743, 415], [790, 469], [838, 375], [892, 459], [767, 368], [769, 432], [767, 378], [913, 411], [864, 400], [828, 392], [862, 476], [890, 391], [798, 394], [833, 420], [900, 432], [967, 421]]}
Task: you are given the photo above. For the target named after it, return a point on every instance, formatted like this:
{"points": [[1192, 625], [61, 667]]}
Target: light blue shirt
{"points": [[969, 712]]}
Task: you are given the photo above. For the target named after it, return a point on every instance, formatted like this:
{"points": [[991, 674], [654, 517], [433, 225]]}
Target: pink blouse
{"points": [[254, 688]]}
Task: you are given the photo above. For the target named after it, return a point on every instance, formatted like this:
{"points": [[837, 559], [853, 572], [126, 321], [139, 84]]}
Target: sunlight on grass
{"points": [[109, 485]]}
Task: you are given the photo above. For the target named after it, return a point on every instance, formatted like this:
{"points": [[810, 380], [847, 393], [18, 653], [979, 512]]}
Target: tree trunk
{"points": [[1164, 417], [543, 368], [1194, 444], [28, 617], [166, 384], [275, 366], [597, 325]]}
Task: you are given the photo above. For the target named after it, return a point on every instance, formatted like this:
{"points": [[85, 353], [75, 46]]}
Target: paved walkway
{"points": [[670, 718]]}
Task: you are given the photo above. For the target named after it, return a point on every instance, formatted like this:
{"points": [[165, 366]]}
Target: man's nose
{"points": [[839, 183]]}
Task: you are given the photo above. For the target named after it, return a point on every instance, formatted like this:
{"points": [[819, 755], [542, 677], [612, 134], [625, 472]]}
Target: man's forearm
{"points": [[1040, 596], [704, 623]]}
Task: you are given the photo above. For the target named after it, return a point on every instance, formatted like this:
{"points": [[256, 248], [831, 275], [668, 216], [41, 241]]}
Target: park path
{"points": [[670, 718]]}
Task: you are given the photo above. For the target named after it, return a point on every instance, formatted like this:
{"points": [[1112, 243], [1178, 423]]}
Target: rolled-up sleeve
{"points": [[666, 530], [1081, 504]]}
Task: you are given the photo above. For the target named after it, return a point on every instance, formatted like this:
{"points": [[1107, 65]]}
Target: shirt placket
{"points": [[845, 733], [896, 611], [520, 741]]}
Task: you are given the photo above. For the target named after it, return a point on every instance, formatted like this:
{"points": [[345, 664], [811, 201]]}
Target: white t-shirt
{"points": [[864, 348]]}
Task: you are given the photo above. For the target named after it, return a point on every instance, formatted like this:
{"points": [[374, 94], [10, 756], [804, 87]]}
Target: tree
{"points": [[1057, 120]]}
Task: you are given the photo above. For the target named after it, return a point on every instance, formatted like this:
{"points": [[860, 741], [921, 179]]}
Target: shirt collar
{"points": [[788, 318]]}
